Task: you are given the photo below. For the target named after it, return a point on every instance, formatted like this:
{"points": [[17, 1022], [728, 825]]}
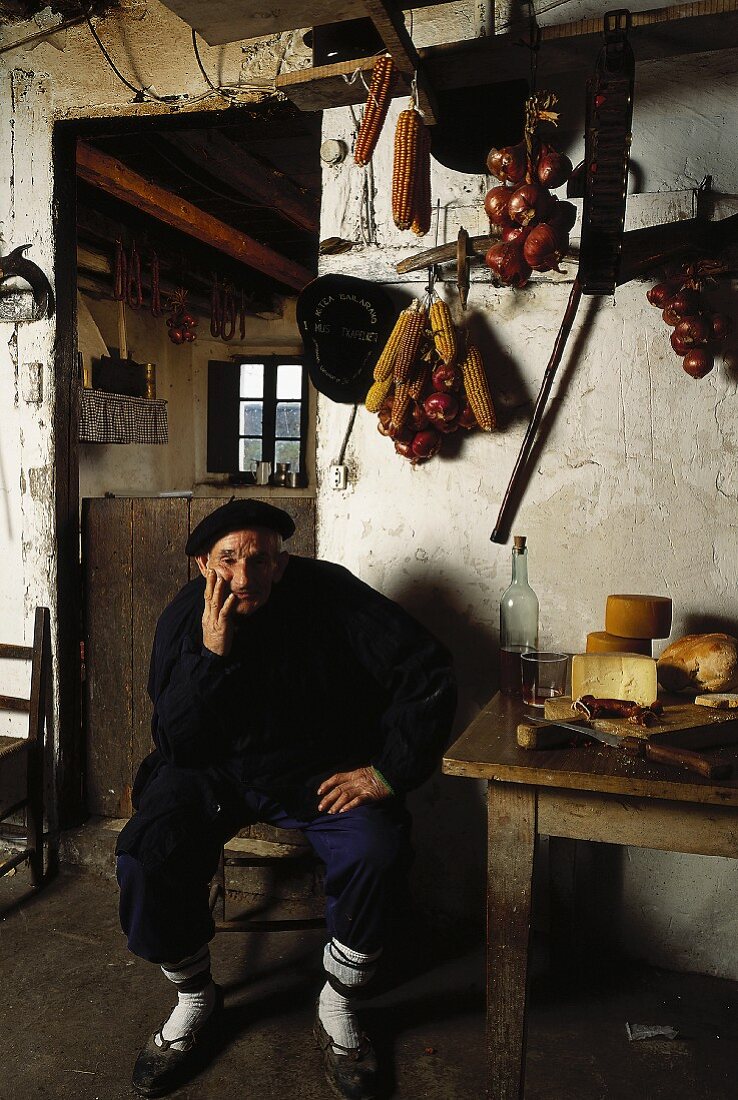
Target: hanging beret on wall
{"points": [[344, 323]]}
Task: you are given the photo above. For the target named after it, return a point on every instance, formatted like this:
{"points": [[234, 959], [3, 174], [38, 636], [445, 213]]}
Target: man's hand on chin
{"points": [[345, 790], [218, 616]]}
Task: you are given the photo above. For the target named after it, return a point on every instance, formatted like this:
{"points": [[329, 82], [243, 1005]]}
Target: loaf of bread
{"points": [[700, 662]]}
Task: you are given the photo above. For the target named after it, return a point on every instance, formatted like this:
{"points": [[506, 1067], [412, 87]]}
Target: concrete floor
{"points": [[76, 1007]]}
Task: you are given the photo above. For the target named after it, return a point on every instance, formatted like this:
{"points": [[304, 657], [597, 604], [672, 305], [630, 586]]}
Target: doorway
{"points": [[159, 219]]}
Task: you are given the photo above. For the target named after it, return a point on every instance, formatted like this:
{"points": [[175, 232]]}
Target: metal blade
{"points": [[598, 735]]}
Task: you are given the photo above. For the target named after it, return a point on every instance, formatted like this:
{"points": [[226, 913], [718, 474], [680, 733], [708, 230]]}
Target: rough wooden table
{"points": [[591, 792]]}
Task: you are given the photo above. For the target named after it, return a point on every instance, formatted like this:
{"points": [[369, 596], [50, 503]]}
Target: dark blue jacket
{"points": [[329, 675]]}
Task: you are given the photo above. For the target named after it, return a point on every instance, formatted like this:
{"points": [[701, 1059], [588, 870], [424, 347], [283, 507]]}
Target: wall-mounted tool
{"points": [[606, 155], [16, 264]]}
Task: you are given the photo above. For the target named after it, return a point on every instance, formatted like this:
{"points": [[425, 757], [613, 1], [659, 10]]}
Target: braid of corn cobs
{"points": [[477, 389], [386, 362], [444, 334], [375, 111], [422, 199], [410, 342], [378, 391], [405, 167]]}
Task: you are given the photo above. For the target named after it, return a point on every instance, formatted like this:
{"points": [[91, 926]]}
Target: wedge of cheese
{"points": [[630, 676]]}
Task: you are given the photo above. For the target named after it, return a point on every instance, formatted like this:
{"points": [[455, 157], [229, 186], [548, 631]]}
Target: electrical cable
{"points": [[344, 445]]}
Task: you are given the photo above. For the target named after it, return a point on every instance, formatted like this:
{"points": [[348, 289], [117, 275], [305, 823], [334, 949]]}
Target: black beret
{"points": [[234, 516]]}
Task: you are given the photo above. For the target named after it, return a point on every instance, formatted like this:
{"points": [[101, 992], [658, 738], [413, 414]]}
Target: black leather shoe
{"points": [[352, 1074], [160, 1068]]}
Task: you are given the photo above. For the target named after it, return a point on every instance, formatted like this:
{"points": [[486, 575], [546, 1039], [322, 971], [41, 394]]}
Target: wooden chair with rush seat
{"points": [[29, 748]]}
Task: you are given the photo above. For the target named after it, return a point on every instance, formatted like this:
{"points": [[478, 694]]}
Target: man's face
{"points": [[250, 562]]}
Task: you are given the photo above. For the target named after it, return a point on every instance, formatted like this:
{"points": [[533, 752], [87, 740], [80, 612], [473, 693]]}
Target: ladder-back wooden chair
{"points": [[31, 747]]}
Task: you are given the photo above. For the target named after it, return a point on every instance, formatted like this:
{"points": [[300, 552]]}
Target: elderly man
{"points": [[286, 691]]}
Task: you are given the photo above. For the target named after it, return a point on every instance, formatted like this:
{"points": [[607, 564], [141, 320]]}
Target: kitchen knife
{"points": [[657, 754]]}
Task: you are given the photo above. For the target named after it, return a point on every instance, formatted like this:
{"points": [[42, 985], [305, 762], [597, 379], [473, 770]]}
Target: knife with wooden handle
{"points": [[542, 733]]}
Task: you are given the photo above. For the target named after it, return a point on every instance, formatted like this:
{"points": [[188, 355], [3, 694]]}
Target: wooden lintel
{"points": [[110, 175], [246, 174]]}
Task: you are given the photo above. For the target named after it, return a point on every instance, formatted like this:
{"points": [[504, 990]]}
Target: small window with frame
{"points": [[257, 411]]}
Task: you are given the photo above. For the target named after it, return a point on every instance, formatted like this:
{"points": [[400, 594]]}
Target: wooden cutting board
{"points": [[682, 724]]}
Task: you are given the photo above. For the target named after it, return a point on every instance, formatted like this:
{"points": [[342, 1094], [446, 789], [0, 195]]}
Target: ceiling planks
{"points": [[112, 176]]}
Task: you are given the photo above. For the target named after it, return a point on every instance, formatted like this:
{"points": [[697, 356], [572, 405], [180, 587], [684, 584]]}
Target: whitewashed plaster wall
{"points": [[633, 490]]}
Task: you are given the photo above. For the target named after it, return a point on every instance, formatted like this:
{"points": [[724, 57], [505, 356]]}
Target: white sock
{"points": [[351, 969], [195, 998]]}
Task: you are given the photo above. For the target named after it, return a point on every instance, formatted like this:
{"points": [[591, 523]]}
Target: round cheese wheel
{"points": [[599, 641], [638, 616]]}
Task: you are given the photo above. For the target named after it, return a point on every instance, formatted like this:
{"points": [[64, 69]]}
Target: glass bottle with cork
{"points": [[518, 620]]}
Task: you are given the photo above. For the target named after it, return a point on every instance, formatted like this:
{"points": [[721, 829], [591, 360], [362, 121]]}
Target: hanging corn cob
{"points": [[421, 382], [378, 391], [386, 362], [375, 111], [400, 405], [477, 389], [422, 198], [444, 335], [404, 170], [410, 342]]}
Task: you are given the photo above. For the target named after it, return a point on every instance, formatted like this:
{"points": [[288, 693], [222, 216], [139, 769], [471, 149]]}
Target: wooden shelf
{"points": [[703, 27]]}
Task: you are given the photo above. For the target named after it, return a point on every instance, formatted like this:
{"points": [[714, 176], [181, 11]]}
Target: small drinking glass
{"points": [[544, 676]]}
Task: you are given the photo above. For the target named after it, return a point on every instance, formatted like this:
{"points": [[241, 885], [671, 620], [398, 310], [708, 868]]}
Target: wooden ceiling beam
{"points": [[391, 28], [566, 49], [110, 175], [233, 166]]}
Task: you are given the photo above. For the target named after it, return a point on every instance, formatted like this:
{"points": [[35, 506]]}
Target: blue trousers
{"points": [[164, 910]]}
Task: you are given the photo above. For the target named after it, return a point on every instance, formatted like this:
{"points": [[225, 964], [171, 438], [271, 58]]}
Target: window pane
{"points": [[288, 451], [289, 380], [288, 419], [252, 380], [252, 413], [249, 452]]}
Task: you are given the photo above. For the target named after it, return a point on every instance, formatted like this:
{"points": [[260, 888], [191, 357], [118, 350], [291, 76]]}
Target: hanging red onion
{"points": [[670, 317], [445, 377], [426, 444], [686, 302], [508, 164], [720, 326], [542, 248], [495, 204], [692, 331], [679, 345], [385, 418], [661, 294], [513, 232], [553, 168], [404, 442], [418, 418], [529, 204], [506, 262], [466, 418], [441, 406], [698, 362]]}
